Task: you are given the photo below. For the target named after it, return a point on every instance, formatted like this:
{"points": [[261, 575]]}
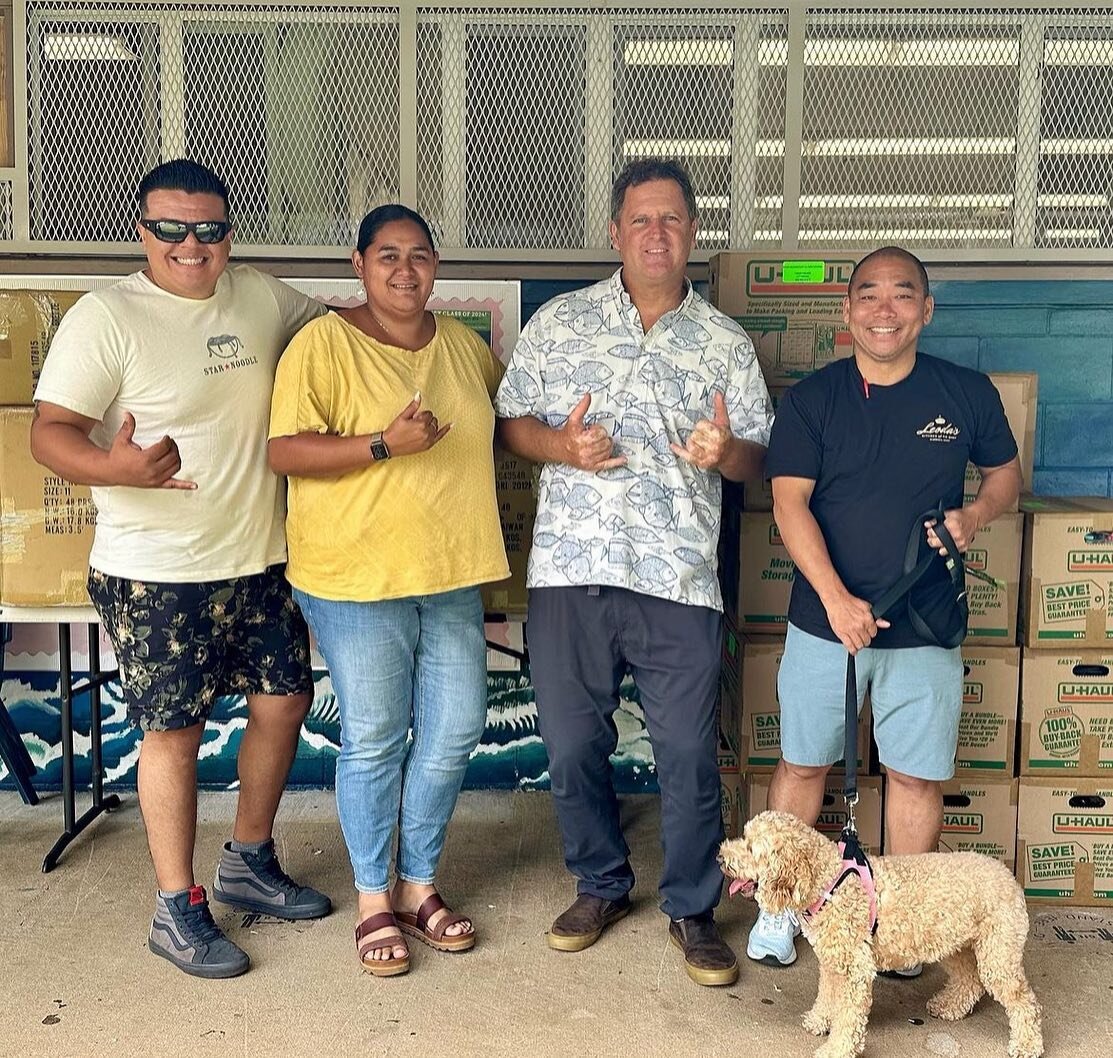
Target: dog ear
{"points": [[774, 890]]}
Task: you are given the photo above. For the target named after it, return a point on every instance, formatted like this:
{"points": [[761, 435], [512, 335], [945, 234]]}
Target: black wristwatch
{"points": [[379, 450]]}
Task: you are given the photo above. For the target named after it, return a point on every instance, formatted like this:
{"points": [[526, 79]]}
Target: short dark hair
{"points": [[380, 216], [901, 254], [645, 170], [182, 174]]}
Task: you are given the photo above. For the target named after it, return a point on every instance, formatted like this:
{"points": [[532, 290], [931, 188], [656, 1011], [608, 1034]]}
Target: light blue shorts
{"points": [[915, 692]]}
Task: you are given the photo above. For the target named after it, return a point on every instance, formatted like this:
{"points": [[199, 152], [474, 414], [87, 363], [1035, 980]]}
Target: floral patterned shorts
{"points": [[180, 646]]}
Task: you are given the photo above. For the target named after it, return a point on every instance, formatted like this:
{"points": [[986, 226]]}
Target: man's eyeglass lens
{"points": [[207, 231]]}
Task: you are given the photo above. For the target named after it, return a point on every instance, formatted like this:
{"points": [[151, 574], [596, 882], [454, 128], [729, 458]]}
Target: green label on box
{"points": [[802, 272], [762, 324]]}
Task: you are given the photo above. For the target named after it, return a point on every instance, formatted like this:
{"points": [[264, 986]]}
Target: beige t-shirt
{"points": [[412, 525], [201, 372]]}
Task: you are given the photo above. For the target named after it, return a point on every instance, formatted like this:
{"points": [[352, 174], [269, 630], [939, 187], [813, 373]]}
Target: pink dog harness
{"points": [[853, 862]]}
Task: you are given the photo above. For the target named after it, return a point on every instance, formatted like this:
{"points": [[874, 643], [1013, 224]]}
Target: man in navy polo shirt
{"points": [[858, 452]]}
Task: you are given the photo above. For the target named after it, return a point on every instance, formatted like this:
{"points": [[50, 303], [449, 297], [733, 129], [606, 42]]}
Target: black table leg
{"points": [[16, 758], [73, 827], [12, 750]]}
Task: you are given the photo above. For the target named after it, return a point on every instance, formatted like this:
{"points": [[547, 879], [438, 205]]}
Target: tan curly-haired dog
{"points": [[962, 909]]}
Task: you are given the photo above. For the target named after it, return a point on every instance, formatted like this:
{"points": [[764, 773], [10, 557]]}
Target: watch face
{"points": [[379, 449]]}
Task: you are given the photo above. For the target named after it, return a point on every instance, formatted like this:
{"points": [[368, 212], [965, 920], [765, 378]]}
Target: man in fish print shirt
{"points": [[157, 393], [636, 395]]}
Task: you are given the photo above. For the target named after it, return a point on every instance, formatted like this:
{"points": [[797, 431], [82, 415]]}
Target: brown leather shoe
{"points": [[583, 923], [707, 957]]}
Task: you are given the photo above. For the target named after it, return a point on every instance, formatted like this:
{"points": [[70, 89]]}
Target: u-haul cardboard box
{"points": [[28, 320], [765, 571], [1068, 572], [46, 525], [1066, 713], [791, 307], [759, 709], [730, 801], [758, 496], [728, 758], [993, 609], [987, 726], [1064, 847], [517, 501], [979, 815], [832, 816], [1019, 391], [730, 690]]}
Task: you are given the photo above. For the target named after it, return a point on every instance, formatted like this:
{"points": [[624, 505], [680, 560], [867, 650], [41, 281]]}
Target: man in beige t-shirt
{"points": [[157, 394]]}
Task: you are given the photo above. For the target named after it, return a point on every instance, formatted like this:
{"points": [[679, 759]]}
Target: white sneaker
{"points": [[771, 939], [905, 971]]}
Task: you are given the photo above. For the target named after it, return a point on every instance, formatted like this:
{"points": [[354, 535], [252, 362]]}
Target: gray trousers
{"points": [[581, 642]]}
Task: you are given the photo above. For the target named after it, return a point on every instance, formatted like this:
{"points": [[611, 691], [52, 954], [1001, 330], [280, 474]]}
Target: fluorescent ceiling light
{"points": [[1064, 146], [918, 234], [892, 201], [678, 53], [1072, 234], [881, 51], [685, 148], [85, 47], [871, 51], [1073, 201], [1078, 52], [713, 201], [894, 145]]}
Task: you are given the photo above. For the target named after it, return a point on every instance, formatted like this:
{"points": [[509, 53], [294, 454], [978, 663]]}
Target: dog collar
{"points": [[855, 863]]}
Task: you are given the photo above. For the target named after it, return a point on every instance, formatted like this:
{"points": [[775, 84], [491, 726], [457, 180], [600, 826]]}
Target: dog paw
{"points": [[816, 1022], [950, 1007], [1028, 1046]]}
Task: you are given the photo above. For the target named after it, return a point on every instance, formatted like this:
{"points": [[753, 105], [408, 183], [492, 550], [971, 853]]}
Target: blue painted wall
{"points": [[1062, 330]]}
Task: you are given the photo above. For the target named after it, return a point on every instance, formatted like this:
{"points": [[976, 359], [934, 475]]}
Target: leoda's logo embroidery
{"points": [[939, 429]]}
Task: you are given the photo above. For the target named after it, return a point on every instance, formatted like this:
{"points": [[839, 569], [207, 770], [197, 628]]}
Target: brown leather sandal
{"points": [[381, 967], [418, 926]]}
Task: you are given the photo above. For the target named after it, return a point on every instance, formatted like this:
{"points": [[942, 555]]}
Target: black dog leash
{"points": [[915, 569]]}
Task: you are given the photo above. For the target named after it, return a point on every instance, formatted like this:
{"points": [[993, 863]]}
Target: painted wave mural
{"points": [[510, 756]]}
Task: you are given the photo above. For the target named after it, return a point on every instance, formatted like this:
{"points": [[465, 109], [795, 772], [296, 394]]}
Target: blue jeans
{"points": [[416, 663]]}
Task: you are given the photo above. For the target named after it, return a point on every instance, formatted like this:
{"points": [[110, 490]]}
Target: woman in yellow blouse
{"points": [[382, 418]]}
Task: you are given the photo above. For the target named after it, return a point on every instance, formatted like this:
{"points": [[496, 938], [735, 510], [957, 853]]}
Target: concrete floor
{"points": [[78, 980]]}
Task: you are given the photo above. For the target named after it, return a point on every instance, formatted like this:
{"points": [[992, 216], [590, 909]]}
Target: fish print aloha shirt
{"points": [[651, 526]]}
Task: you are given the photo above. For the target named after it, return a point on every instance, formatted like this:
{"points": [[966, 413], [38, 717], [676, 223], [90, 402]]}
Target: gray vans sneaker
{"points": [[184, 932], [255, 881], [772, 939]]}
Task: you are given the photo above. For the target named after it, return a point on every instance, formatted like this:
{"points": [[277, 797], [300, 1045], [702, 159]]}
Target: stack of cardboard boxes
{"points": [[1065, 838], [793, 313], [46, 524]]}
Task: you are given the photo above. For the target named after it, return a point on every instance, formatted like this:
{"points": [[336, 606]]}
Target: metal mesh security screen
{"points": [[6, 227], [1075, 177], [956, 128], [295, 106], [805, 124], [525, 116]]}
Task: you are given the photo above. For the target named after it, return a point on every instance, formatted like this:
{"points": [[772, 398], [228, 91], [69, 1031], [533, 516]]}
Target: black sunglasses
{"points": [[207, 231]]}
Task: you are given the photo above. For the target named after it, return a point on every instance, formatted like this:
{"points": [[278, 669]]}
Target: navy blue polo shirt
{"points": [[880, 457]]}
